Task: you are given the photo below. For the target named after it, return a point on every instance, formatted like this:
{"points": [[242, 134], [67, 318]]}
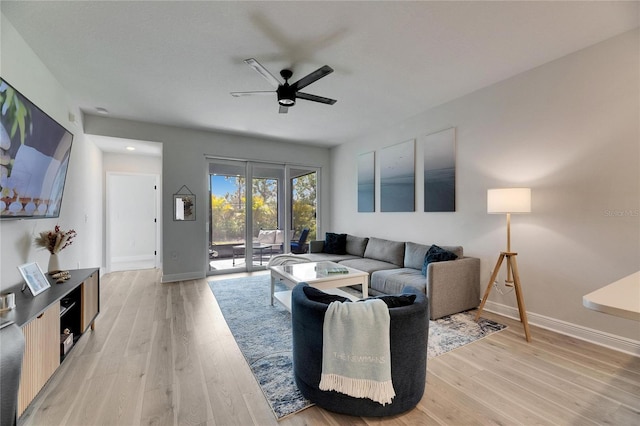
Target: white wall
{"points": [[131, 163], [82, 203], [570, 131], [183, 163]]}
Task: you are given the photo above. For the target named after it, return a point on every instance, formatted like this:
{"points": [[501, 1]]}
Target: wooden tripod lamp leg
{"points": [[511, 260], [490, 284]]}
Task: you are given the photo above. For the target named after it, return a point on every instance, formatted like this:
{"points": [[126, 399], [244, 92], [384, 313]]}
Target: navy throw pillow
{"points": [[436, 254], [320, 296], [335, 243], [395, 301]]}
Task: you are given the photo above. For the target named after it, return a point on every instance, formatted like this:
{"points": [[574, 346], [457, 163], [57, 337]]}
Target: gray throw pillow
{"points": [[356, 245]]}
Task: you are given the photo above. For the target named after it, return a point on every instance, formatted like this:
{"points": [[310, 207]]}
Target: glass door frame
{"points": [[241, 167], [282, 201], [318, 189]]}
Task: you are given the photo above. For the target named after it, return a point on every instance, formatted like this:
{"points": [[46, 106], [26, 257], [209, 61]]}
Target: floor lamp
{"points": [[507, 201]]}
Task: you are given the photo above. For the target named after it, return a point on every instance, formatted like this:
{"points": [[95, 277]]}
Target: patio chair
{"points": [[300, 246], [213, 253]]}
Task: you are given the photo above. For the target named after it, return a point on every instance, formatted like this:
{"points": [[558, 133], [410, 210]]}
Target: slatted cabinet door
{"points": [[41, 355], [90, 300]]}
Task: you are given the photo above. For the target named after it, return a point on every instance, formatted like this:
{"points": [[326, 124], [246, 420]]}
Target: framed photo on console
{"points": [[35, 279]]}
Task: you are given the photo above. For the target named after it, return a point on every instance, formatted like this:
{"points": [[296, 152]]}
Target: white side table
{"points": [[621, 298]]}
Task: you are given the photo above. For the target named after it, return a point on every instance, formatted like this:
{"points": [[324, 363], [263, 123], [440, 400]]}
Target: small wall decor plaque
{"points": [[184, 204]]}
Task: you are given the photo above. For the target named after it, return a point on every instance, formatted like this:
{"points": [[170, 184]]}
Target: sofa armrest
{"points": [[453, 286], [316, 246]]}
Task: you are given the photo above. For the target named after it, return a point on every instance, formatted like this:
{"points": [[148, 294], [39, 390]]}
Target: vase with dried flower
{"points": [[55, 241]]}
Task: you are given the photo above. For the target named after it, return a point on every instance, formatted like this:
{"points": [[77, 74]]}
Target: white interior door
{"points": [[131, 221]]}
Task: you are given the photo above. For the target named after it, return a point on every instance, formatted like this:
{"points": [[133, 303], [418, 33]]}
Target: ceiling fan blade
{"points": [[237, 94], [263, 72], [314, 76], [283, 109], [314, 98]]}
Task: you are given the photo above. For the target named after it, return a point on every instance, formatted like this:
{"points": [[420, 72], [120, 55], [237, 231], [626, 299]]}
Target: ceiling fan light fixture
{"points": [[288, 93], [286, 96], [286, 102]]}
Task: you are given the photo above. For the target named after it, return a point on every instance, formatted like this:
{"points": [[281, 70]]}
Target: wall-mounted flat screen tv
{"points": [[34, 157]]}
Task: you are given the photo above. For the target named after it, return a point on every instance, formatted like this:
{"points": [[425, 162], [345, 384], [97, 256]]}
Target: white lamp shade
{"points": [[509, 200]]}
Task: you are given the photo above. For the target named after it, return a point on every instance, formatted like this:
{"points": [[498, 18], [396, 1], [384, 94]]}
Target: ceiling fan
{"points": [[288, 93]]}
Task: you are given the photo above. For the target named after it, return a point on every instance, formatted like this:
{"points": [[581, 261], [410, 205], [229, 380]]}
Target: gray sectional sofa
{"points": [[452, 286]]}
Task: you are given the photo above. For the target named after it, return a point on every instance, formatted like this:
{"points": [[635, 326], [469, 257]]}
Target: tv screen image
{"points": [[34, 158]]}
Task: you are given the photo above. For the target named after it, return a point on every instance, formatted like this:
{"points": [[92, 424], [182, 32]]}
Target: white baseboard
{"points": [[182, 277], [601, 338], [130, 263]]}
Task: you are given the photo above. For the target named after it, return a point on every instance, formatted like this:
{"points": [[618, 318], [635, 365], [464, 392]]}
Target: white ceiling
{"points": [[176, 62]]}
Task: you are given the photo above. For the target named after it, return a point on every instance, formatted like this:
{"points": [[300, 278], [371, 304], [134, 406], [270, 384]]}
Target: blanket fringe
{"points": [[381, 392]]}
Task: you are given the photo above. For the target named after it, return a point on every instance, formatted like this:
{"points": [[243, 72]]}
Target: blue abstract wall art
{"points": [[440, 171], [366, 182], [397, 177]]}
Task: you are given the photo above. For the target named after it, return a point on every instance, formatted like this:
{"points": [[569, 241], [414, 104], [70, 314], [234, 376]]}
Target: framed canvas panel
{"points": [[34, 278], [366, 182], [440, 171], [397, 177]]}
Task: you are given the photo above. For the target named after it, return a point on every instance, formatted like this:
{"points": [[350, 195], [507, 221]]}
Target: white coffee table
{"points": [[322, 275]]}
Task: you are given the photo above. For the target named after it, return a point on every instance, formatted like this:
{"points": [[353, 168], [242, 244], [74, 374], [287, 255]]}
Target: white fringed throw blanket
{"points": [[356, 353]]}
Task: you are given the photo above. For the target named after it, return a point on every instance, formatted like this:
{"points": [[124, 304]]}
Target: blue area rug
{"points": [[263, 333]]}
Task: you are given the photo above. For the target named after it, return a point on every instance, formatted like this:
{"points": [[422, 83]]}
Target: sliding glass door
{"points": [[304, 207], [267, 212], [249, 223], [227, 215]]}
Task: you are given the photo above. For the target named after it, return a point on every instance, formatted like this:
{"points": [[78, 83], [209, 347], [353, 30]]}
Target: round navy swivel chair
{"points": [[409, 331]]}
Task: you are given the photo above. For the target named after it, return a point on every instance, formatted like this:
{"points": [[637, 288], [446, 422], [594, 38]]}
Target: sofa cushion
{"points": [[320, 296], [356, 245], [437, 254], [414, 255], [279, 239], [393, 281], [335, 243], [367, 265], [385, 250]]}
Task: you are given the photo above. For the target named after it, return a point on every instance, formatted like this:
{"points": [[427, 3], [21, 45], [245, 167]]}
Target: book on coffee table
{"points": [[339, 270]]}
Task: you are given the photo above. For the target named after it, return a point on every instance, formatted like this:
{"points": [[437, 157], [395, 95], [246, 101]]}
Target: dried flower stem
{"points": [[56, 240]]}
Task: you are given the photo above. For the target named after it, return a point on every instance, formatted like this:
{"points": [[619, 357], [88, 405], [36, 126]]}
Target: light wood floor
{"points": [[162, 354]]}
